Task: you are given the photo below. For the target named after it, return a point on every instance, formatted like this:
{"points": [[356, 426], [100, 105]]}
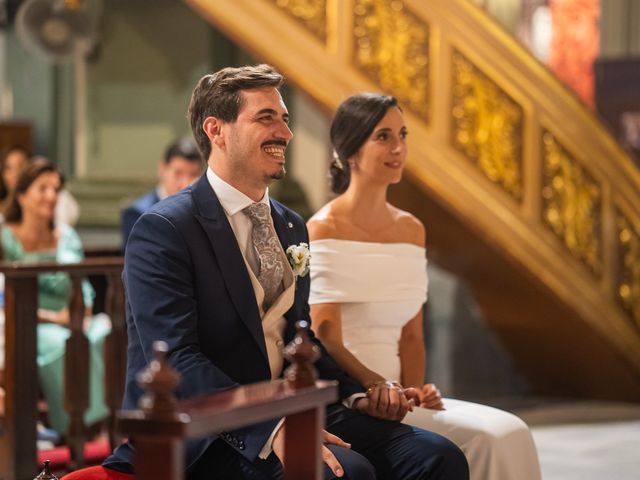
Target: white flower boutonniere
{"points": [[299, 257]]}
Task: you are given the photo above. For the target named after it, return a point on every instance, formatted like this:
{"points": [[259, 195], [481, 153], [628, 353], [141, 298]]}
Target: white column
{"points": [[6, 94], [80, 116], [311, 150]]}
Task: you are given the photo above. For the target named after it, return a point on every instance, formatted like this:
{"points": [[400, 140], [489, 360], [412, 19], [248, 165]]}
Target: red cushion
{"points": [[94, 452], [97, 473]]}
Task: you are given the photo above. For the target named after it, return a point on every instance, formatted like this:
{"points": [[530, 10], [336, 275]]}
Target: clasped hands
{"points": [[389, 400], [384, 399]]}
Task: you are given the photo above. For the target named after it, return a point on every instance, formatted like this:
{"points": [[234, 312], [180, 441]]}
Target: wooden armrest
{"points": [[159, 441], [231, 409], [160, 427]]}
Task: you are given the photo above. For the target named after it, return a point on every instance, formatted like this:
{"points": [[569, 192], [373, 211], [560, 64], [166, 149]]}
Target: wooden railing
{"points": [[161, 426], [18, 427]]}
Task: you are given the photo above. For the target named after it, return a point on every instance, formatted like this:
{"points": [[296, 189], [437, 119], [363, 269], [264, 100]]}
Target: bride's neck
{"points": [[366, 199]]}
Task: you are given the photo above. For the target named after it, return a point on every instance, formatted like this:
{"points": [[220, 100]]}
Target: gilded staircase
{"points": [[523, 192]]}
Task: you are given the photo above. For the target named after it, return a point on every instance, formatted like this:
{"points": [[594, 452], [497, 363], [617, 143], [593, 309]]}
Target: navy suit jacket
{"points": [[130, 214], [187, 284]]}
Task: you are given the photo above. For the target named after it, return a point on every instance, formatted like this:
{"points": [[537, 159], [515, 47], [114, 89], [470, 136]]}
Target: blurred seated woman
{"points": [[30, 235], [12, 162]]}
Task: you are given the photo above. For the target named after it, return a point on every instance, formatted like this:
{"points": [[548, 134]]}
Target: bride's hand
{"points": [[431, 397]]}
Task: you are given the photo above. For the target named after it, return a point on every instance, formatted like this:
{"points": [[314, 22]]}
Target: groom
{"points": [[206, 271]]}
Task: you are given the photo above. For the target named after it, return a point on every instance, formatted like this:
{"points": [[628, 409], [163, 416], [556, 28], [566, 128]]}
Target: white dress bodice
{"points": [[380, 286]]}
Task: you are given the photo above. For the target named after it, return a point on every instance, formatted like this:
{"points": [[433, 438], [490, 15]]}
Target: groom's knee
{"points": [[355, 466], [448, 462]]}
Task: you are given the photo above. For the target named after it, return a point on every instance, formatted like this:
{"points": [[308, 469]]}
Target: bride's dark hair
{"points": [[352, 124]]}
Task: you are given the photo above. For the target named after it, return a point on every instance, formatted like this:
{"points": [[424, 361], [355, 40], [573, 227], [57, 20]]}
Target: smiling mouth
{"points": [[276, 151], [394, 164]]}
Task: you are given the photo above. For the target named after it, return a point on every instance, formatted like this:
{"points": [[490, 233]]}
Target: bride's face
{"points": [[382, 157]]}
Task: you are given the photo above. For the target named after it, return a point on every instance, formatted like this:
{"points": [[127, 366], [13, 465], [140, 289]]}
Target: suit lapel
{"points": [[211, 216], [281, 225], [284, 230]]}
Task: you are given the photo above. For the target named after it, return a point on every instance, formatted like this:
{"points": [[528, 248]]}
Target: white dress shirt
{"points": [[233, 202]]}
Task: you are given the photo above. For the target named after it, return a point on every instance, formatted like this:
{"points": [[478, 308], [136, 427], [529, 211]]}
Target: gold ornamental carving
{"points": [[312, 14], [571, 203], [487, 126], [392, 48], [628, 288]]}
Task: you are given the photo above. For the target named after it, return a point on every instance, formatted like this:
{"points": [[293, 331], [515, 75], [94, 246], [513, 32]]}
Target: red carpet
{"points": [[94, 453]]}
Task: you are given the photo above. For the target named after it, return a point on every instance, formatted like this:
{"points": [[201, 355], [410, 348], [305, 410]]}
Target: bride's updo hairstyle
{"points": [[352, 125]]}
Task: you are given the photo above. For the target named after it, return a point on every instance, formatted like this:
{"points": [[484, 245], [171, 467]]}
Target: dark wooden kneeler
{"points": [[161, 425]]}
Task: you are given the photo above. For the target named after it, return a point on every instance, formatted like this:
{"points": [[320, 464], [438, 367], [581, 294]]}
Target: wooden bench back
{"points": [[162, 425], [18, 427]]}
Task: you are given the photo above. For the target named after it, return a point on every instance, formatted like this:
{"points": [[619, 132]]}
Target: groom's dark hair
{"points": [[219, 95]]}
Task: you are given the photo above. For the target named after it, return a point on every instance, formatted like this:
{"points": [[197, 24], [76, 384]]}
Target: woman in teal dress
{"points": [[30, 235]]}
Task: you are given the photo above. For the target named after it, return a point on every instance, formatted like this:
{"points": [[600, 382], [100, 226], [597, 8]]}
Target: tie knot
{"points": [[258, 213]]}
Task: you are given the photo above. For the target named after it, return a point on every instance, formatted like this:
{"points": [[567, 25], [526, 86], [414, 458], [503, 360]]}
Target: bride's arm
{"points": [[412, 353], [327, 325], [413, 363]]}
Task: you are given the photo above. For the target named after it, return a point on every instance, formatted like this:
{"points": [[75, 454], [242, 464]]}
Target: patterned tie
{"points": [[269, 252]]}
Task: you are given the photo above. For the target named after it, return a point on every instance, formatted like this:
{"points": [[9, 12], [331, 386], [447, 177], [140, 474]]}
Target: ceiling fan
{"points": [[58, 30]]}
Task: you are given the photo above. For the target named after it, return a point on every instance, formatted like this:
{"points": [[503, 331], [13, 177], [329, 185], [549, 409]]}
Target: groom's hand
{"points": [[386, 400], [327, 457]]}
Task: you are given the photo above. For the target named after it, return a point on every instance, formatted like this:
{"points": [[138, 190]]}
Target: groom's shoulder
{"points": [[177, 208], [290, 214]]}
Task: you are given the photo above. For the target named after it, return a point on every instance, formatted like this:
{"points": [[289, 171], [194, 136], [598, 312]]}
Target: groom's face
{"points": [[256, 142]]}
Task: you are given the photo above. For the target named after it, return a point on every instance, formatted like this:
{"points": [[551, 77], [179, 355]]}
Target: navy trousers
{"points": [[380, 450]]}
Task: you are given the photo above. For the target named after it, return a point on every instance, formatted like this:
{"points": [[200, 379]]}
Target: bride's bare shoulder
{"points": [[409, 227], [324, 223]]}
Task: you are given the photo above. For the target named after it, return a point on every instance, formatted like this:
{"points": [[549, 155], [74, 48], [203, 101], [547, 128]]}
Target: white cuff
{"points": [[349, 401], [266, 448]]}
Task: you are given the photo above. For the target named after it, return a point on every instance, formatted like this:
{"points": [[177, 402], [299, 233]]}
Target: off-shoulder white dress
{"points": [[381, 286]]}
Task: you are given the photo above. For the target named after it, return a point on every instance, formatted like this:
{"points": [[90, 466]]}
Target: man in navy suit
{"points": [[181, 166], [195, 278]]}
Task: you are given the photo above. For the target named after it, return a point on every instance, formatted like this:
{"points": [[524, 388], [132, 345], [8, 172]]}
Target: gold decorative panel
{"points": [[487, 125], [571, 203], [628, 267], [392, 47], [311, 13]]}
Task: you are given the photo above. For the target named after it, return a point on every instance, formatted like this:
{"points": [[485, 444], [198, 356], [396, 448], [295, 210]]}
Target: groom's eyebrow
{"points": [[271, 111]]}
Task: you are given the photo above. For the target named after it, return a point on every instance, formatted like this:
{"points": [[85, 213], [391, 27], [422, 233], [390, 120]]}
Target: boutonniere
{"points": [[299, 257]]}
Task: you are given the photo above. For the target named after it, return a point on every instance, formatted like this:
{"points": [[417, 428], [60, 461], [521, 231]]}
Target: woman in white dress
{"points": [[369, 283]]}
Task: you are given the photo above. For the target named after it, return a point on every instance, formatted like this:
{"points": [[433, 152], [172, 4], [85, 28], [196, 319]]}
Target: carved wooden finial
{"points": [[158, 381], [46, 474], [302, 354]]}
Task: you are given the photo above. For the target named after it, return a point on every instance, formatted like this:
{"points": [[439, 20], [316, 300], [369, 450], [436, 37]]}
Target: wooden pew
{"points": [[18, 427], [161, 425]]}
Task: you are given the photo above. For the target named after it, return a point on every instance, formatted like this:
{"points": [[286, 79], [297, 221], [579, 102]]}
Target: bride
{"points": [[369, 282]]}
